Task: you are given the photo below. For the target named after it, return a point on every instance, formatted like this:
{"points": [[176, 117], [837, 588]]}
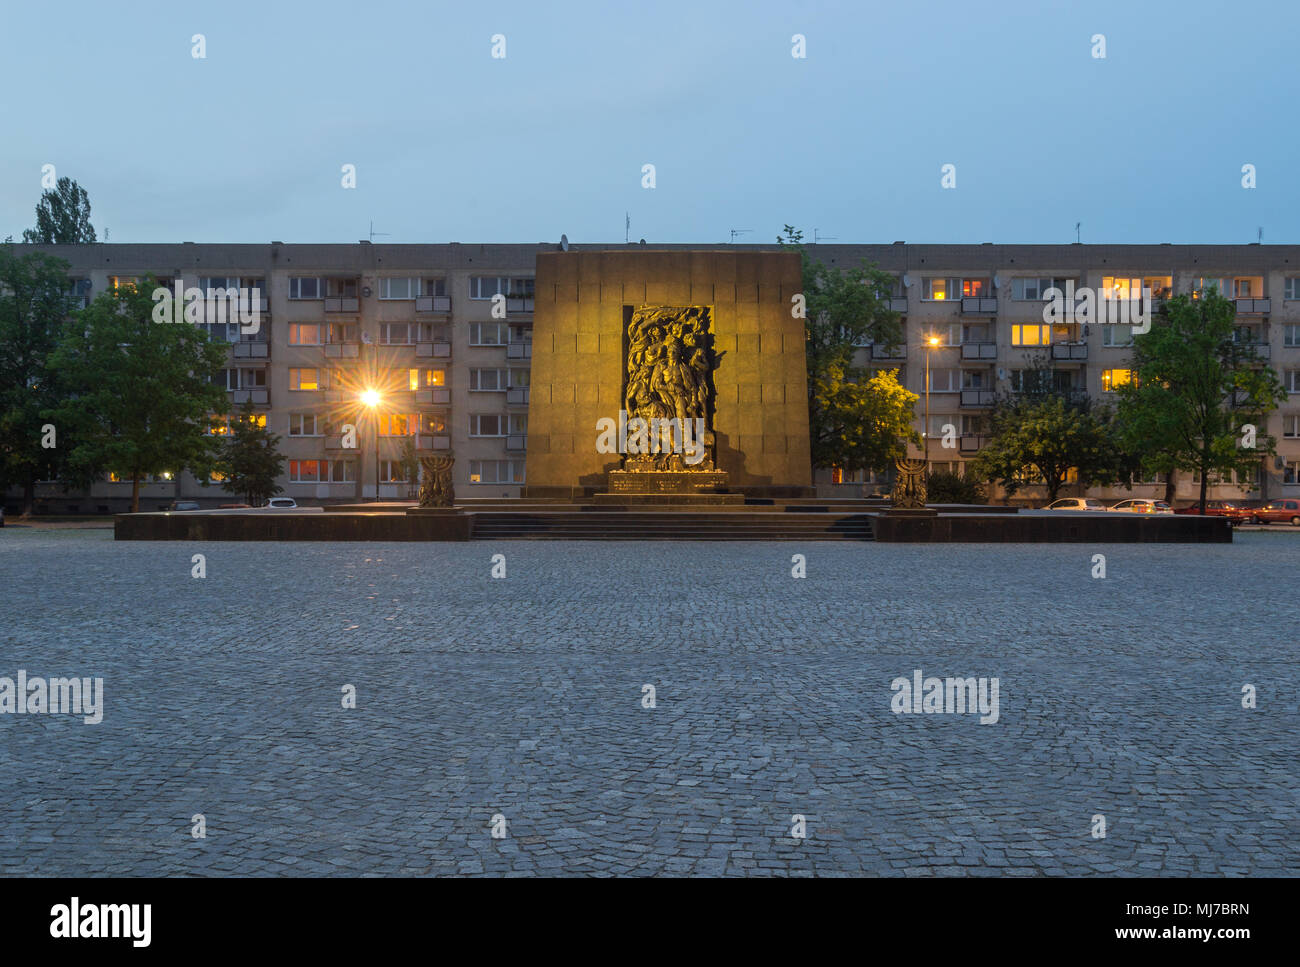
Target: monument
{"points": [[668, 374]]}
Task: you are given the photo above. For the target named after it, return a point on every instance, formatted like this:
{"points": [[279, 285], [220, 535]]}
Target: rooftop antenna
{"points": [[1077, 235], [817, 238], [373, 233], [739, 231], [627, 228], [1259, 238]]}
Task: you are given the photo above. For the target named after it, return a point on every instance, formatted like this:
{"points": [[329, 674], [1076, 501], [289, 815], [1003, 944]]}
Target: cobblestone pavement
{"points": [[1119, 697]]}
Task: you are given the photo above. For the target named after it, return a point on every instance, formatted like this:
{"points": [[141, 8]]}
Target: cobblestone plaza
{"points": [[523, 698]]}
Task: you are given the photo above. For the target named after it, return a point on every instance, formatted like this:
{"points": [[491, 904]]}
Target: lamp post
{"points": [[372, 399], [930, 343]]}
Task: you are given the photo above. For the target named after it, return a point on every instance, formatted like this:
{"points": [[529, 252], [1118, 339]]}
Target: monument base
{"points": [[668, 481], [911, 512], [677, 500]]}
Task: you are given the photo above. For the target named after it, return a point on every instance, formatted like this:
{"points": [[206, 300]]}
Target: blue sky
{"points": [[450, 144]]}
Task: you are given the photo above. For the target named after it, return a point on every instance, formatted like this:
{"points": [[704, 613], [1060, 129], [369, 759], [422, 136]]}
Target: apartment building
{"points": [[419, 325]]}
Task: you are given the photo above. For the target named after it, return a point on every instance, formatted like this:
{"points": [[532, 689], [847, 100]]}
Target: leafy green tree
{"points": [[942, 487], [1047, 435], [62, 216], [409, 458], [250, 461], [136, 397], [853, 419], [1195, 392], [34, 302]]}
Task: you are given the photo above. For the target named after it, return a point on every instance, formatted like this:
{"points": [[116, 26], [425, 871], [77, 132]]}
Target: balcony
{"points": [[342, 350], [879, 351], [343, 304], [251, 350], [974, 305], [1074, 352], [1254, 307], [433, 395], [436, 350], [977, 397], [433, 303], [336, 443], [519, 350], [970, 442], [897, 305], [517, 441], [1261, 350], [979, 350], [242, 396], [519, 305], [437, 441], [517, 396]]}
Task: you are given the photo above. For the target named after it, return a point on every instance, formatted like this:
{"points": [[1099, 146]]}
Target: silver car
{"points": [[1076, 503], [1141, 505]]}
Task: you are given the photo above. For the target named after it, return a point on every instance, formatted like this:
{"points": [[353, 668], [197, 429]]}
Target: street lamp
{"points": [[930, 343], [372, 399]]}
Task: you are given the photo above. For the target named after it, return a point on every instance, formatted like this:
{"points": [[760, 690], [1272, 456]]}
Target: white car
{"points": [[282, 503], [1141, 505], [1076, 503]]}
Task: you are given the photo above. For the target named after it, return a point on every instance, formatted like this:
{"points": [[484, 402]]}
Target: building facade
{"points": [[443, 333]]}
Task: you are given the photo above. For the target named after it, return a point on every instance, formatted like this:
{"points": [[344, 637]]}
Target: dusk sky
{"points": [[452, 144]]}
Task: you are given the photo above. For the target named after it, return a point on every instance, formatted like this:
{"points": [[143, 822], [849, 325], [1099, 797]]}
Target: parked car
{"points": [[1076, 503], [282, 503], [1278, 512], [1235, 513], [1142, 505], [184, 505]]}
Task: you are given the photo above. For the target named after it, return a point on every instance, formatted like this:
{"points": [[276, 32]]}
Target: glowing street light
{"points": [[372, 399]]}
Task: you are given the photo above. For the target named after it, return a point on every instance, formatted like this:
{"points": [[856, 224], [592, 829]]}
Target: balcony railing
{"points": [[433, 303], [519, 305], [336, 443], [433, 349], [519, 350], [343, 305], [1070, 351], [970, 442], [1254, 307], [433, 395], [1262, 350], [978, 305], [897, 305], [979, 350], [434, 441], [517, 441], [342, 350], [977, 397], [517, 396], [251, 350], [241, 396], [880, 351]]}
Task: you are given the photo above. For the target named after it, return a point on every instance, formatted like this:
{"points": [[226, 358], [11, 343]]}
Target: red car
{"points": [[1235, 513], [1278, 512]]}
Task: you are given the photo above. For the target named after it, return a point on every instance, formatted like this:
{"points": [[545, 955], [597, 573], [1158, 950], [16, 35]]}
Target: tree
{"points": [[136, 396], [62, 216], [250, 461], [34, 301], [409, 458], [1197, 399], [856, 421], [1048, 435]]}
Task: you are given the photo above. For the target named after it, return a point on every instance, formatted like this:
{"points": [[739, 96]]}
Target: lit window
{"points": [[1031, 335], [304, 379], [1112, 379]]}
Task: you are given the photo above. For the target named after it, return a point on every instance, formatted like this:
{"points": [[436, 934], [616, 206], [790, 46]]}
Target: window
{"points": [[486, 286], [435, 287], [488, 380], [487, 333], [254, 419], [304, 379], [1117, 336], [977, 288], [308, 471], [303, 424], [518, 378], [976, 379], [1248, 288], [1292, 288], [399, 288], [1291, 336], [521, 334], [1289, 473], [518, 423], [304, 334], [1022, 335], [116, 282], [1291, 425], [424, 378], [342, 471], [1112, 379], [433, 423], [339, 332], [391, 471], [398, 424], [945, 380], [974, 425], [496, 471], [218, 426], [241, 378], [1035, 290], [211, 284], [1202, 285], [1292, 381], [341, 288], [398, 333], [975, 333], [940, 290], [1115, 287], [305, 288], [487, 424]]}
